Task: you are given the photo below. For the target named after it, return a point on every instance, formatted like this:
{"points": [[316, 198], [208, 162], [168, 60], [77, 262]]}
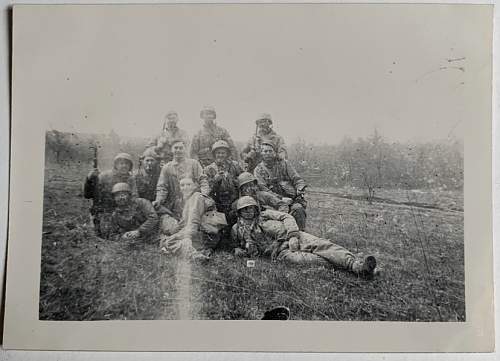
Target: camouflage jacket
{"points": [[255, 143], [223, 182], [265, 200], [99, 189], [281, 178], [146, 183], [201, 145], [269, 227], [138, 215], [163, 143]]}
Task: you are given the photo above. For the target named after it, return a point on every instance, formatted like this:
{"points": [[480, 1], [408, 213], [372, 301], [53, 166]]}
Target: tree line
{"points": [[370, 163]]}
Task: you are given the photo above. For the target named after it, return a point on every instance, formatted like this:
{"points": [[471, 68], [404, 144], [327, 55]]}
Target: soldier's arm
{"points": [[288, 221], [296, 179], [259, 174], [270, 199], [162, 186], [151, 222], [201, 178]]}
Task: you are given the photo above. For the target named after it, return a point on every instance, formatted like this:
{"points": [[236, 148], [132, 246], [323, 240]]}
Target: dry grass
{"points": [[420, 251]]}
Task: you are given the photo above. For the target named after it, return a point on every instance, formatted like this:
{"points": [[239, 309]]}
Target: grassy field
{"points": [[419, 250]]}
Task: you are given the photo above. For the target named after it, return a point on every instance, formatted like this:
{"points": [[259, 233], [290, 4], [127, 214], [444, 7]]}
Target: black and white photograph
{"points": [[254, 162]]}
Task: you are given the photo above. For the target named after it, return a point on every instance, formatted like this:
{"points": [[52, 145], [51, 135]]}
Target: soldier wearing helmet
{"points": [[162, 143], [276, 234], [98, 187], [280, 177], [201, 145], [133, 218], [248, 186], [222, 175], [251, 153]]}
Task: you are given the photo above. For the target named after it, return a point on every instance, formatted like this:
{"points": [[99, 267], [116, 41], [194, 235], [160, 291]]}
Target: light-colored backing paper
{"points": [[24, 331]]}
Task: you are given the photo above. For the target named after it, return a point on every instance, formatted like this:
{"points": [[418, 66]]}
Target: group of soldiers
{"points": [[251, 203]]}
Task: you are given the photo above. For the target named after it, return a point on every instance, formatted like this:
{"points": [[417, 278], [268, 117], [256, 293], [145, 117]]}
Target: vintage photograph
{"points": [[230, 169]]}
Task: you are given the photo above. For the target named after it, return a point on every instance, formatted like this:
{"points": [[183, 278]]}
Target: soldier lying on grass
{"points": [[276, 234], [134, 219]]}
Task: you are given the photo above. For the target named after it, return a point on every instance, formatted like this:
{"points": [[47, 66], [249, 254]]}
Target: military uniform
{"points": [[188, 236], [283, 180], [99, 189], [201, 145], [272, 230], [162, 144], [223, 182], [146, 183], [187, 168], [251, 153], [139, 215]]}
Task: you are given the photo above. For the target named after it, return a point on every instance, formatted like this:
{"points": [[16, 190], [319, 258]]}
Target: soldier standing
{"points": [[162, 143], [280, 177], [98, 187], [201, 145], [251, 153]]}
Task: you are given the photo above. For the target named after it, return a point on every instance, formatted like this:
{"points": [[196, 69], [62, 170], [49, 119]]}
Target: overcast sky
{"points": [[322, 71]]}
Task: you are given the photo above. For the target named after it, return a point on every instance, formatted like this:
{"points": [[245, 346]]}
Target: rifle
{"points": [[94, 159]]}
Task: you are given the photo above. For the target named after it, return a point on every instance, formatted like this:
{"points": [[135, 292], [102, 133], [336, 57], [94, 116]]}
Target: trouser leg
{"points": [[337, 255], [299, 213]]}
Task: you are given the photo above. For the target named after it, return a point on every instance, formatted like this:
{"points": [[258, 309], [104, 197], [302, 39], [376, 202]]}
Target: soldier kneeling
{"points": [[133, 219], [276, 234]]}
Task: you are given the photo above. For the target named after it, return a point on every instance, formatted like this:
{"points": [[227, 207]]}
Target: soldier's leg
{"points": [[299, 213], [302, 258], [337, 255]]}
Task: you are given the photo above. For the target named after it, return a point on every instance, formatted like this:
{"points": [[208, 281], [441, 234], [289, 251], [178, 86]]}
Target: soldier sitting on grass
{"points": [[187, 238], [280, 177], [134, 219], [276, 234], [98, 187]]}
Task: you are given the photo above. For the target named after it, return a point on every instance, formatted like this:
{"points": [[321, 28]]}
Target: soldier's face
{"points": [[220, 155], [121, 198], [268, 152], [122, 166], [187, 187], [172, 121], [178, 150], [248, 212], [249, 189], [149, 164], [208, 117], [264, 127]]}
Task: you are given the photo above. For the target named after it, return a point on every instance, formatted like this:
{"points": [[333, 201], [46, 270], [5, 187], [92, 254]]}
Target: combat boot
{"points": [[364, 267]]}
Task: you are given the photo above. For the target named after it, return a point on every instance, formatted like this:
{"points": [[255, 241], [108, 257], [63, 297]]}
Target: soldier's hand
{"points": [[131, 235], [156, 204], [293, 244], [238, 252], [93, 173]]}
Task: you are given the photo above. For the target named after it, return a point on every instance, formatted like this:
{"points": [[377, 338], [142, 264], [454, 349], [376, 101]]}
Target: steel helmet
{"points": [[245, 178], [264, 117], [220, 144], [150, 153], [171, 113], [208, 109], [125, 156], [246, 201], [121, 187]]}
